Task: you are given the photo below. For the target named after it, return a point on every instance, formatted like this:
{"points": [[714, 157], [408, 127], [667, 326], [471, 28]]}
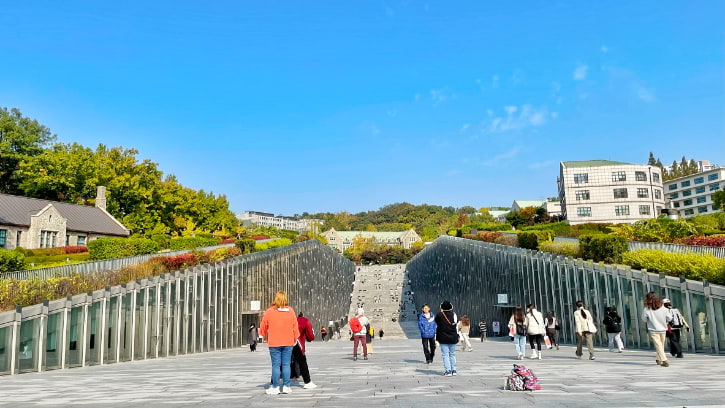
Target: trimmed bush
{"points": [[602, 247], [163, 240], [246, 245], [45, 261], [713, 240], [570, 249], [180, 243], [510, 240], [559, 229], [272, 244], [11, 261], [692, 266], [106, 248], [532, 239]]}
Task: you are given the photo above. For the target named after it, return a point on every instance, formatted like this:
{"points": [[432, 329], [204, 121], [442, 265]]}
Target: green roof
{"points": [[529, 203], [592, 163]]}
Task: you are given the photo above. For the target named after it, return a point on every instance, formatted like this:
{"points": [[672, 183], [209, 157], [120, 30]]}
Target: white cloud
{"points": [[370, 128], [554, 115], [465, 127], [628, 80], [645, 94], [453, 172], [494, 81], [604, 49], [517, 77], [441, 95], [502, 157], [542, 164], [580, 73], [517, 118], [489, 112]]}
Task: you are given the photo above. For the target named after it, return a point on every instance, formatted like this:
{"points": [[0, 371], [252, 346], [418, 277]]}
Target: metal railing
{"points": [[472, 274], [204, 308], [98, 266]]}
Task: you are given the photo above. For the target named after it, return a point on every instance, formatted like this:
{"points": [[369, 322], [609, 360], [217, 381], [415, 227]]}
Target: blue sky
{"points": [[291, 106]]}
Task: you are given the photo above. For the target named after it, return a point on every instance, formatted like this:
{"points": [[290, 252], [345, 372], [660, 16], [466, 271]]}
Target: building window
{"points": [[17, 239], [582, 195], [699, 190], [676, 204], [701, 200], [712, 177], [620, 210], [687, 202], [714, 187], [656, 177], [699, 180], [685, 183], [619, 176], [642, 193], [689, 211], [686, 193], [658, 194], [640, 176], [584, 211], [620, 193], [702, 209], [3, 237], [674, 195], [67, 240], [644, 210], [48, 238], [581, 178], [82, 240], [672, 187]]}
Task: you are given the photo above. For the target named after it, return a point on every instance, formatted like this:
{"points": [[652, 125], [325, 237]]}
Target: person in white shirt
{"points": [[535, 330], [657, 317], [585, 329]]}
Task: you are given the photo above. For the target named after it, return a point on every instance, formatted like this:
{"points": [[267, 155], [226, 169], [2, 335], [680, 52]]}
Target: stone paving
{"points": [[394, 376]]}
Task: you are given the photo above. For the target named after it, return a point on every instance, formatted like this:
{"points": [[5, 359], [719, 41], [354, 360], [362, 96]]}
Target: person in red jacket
{"points": [[299, 359]]}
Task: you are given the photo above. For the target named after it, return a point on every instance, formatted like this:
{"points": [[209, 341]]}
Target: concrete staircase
{"points": [[383, 291]]}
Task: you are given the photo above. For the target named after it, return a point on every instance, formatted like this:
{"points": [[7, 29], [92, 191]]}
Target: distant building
{"points": [[499, 215], [342, 240], [553, 208], [251, 218], [604, 191], [692, 195], [34, 223]]}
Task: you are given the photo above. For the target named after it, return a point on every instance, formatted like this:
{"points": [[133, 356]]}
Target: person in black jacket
{"points": [[613, 322], [447, 336]]}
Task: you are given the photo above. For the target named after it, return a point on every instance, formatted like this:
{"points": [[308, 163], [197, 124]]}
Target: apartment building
{"points": [[692, 195], [251, 218], [342, 240], [605, 191]]}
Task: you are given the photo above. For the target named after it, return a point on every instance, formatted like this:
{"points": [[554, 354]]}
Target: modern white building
{"points": [[342, 240], [603, 191], [692, 195], [553, 208], [251, 218]]}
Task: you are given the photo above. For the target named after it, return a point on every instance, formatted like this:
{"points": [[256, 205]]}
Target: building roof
{"points": [[529, 203], [497, 213], [378, 235], [16, 210], [593, 163]]}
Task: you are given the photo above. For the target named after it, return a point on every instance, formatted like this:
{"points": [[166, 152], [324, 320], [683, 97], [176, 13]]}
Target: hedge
{"points": [[11, 261], [272, 244], [561, 248], [510, 240], [44, 261], [162, 239], [106, 248], [246, 245], [692, 266], [180, 243], [532, 239], [602, 247]]}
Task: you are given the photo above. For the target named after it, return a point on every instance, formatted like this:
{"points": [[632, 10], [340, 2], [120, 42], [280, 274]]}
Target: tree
{"points": [[20, 139], [718, 199], [652, 161]]}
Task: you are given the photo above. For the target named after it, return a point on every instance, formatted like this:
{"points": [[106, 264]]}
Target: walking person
{"points": [[535, 329], [552, 326], [678, 321], [657, 317], [381, 333], [358, 326], [585, 329], [496, 328], [447, 337], [517, 331], [482, 329], [369, 336], [427, 327], [613, 322], [279, 327], [299, 356], [464, 330], [323, 333], [253, 338]]}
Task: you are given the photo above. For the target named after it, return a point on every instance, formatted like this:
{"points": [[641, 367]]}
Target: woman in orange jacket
{"points": [[279, 327]]}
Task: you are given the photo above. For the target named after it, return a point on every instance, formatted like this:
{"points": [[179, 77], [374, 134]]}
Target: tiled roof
{"points": [[593, 163], [16, 210]]}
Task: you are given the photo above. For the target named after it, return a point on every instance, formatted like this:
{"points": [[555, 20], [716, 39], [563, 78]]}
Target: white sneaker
{"points": [[539, 356], [520, 357], [286, 390], [533, 356], [272, 390], [310, 386]]}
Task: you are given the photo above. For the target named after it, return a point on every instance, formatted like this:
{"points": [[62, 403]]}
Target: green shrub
{"points": [[273, 244], [532, 239], [510, 240], [570, 249], [163, 240], [602, 247], [106, 248], [180, 243], [487, 227], [204, 235], [559, 229], [692, 266], [11, 261], [246, 245], [45, 261]]}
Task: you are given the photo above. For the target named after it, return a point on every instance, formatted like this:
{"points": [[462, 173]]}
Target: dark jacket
{"points": [[446, 332], [427, 329], [610, 320]]}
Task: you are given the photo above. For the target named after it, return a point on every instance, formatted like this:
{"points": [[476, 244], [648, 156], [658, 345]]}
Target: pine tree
{"points": [[694, 168], [651, 161], [675, 170]]}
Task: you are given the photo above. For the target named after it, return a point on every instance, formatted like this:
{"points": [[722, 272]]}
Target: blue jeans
{"points": [[448, 351], [520, 343], [281, 356]]}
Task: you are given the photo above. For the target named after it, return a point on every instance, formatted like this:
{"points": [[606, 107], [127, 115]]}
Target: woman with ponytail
{"points": [[585, 329]]}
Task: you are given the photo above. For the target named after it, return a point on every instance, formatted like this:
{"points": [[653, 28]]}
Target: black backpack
{"points": [[613, 325]]}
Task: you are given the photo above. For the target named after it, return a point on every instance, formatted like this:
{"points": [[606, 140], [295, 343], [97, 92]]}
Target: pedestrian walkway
{"points": [[394, 376]]}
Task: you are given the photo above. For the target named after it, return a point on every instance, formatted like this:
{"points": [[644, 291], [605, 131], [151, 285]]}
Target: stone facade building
{"points": [[34, 223], [342, 240]]}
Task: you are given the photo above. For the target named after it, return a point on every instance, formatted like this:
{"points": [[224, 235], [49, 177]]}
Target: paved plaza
{"points": [[394, 376]]}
